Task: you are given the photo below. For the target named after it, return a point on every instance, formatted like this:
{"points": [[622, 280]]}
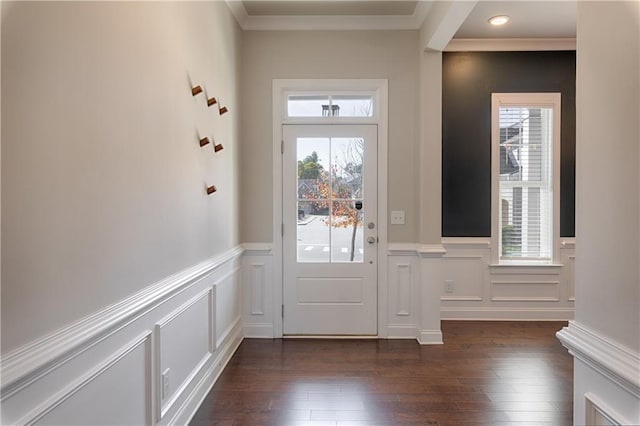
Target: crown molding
{"points": [[509, 44], [238, 11]]}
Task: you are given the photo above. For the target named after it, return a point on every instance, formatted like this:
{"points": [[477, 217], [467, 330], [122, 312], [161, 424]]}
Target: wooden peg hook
{"points": [[195, 90], [211, 189], [212, 101], [204, 141], [223, 110], [217, 147]]}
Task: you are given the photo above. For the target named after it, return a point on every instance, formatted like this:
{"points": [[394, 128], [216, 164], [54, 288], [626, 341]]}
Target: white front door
{"points": [[330, 229]]}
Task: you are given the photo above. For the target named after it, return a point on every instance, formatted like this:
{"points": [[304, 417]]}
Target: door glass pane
{"points": [[330, 200], [313, 234], [346, 231], [347, 166], [313, 168]]}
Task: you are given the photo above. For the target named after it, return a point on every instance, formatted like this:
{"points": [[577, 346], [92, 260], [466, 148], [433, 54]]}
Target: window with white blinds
{"points": [[525, 134]]}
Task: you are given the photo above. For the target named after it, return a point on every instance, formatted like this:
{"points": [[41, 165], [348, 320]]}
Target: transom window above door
{"points": [[330, 105]]}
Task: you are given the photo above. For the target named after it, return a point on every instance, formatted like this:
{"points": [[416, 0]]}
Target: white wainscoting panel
{"points": [[568, 259], [481, 290], [107, 368], [92, 399], [184, 345], [257, 290], [257, 274], [598, 413], [228, 287], [525, 291], [466, 276], [403, 287], [606, 377], [403, 301], [570, 279]]}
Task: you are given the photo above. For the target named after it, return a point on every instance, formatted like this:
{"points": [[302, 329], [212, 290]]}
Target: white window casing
{"points": [[525, 178]]}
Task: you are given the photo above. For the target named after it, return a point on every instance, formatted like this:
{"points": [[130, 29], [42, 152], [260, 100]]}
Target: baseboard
{"points": [[258, 331], [430, 337], [194, 400], [506, 314]]}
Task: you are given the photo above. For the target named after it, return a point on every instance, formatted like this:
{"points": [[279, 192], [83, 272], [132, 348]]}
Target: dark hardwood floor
{"points": [[489, 373]]}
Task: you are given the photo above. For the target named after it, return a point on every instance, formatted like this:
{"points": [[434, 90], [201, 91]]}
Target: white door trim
{"points": [[380, 87]]}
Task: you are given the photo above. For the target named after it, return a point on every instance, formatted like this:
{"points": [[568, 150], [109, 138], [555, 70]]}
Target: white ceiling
{"points": [[530, 19]]}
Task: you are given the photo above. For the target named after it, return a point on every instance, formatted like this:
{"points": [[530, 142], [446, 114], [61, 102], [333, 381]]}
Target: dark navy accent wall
{"points": [[468, 79]]}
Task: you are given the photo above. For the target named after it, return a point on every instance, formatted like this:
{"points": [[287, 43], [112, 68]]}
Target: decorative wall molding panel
{"points": [[471, 288], [75, 402], [525, 291], [568, 259], [598, 413], [618, 363], [161, 349], [257, 278], [185, 341], [475, 289], [403, 270], [496, 313], [464, 272], [403, 296], [607, 377]]}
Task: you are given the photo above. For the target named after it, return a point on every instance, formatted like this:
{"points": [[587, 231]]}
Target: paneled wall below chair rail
{"points": [[472, 288], [469, 287], [151, 358], [147, 360]]}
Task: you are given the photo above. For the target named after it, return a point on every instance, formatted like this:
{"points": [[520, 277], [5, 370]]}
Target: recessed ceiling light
{"points": [[499, 20]]}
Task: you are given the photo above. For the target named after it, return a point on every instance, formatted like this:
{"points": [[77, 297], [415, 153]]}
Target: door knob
{"points": [[371, 240]]}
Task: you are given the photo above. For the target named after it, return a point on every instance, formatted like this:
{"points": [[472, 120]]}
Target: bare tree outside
{"points": [[337, 191]]}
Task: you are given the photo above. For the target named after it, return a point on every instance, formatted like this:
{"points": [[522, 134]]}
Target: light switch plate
{"points": [[397, 217]]}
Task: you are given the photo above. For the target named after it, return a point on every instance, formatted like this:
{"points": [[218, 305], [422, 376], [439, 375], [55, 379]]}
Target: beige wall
{"points": [[102, 177], [607, 163], [268, 55]]}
